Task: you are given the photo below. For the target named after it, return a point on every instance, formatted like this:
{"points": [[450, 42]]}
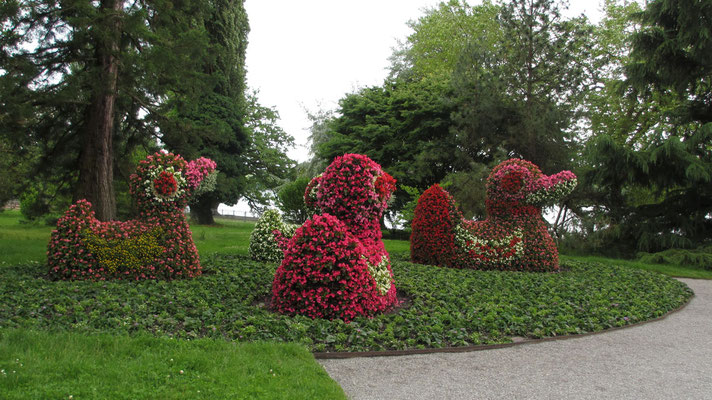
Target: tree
{"points": [[266, 158], [76, 77], [524, 93], [657, 192], [403, 126], [441, 36], [212, 122], [290, 199]]}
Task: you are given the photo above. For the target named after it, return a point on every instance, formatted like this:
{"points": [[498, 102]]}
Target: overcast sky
{"points": [[306, 54]]}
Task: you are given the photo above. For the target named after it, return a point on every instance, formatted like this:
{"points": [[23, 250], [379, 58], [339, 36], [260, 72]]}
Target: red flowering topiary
{"points": [[432, 239], [157, 245], [514, 235], [336, 265]]}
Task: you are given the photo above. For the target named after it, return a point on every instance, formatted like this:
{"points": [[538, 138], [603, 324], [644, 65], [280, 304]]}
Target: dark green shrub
{"points": [[700, 257]]}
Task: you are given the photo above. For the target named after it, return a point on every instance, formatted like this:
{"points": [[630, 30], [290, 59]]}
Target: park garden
{"points": [[455, 206]]}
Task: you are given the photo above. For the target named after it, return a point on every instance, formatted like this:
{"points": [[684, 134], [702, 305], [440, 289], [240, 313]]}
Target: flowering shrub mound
{"points": [[336, 265], [264, 245], [157, 245], [514, 235], [432, 239]]}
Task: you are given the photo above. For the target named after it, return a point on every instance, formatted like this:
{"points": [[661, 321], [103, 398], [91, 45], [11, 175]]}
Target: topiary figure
{"points": [[156, 245], [335, 265], [514, 235], [263, 244], [432, 238]]}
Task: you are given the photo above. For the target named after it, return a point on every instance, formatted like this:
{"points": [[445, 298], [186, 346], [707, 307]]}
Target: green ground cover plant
{"points": [[42, 365], [446, 307]]}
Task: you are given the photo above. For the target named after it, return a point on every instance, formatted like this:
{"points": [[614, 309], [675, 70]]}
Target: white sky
{"points": [[307, 54]]}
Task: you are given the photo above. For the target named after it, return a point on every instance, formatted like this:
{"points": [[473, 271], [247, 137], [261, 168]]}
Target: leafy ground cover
{"points": [[447, 307], [42, 365]]}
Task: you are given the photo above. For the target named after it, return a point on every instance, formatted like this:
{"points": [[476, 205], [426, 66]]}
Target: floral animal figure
{"points": [[514, 235], [156, 245], [335, 265]]}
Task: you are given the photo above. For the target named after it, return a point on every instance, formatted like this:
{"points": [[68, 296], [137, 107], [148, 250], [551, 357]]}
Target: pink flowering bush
{"points": [[514, 235], [157, 245], [335, 265]]}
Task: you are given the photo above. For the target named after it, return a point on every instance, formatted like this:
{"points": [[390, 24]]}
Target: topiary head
{"points": [[165, 181], [353, 188], [517, 182]]}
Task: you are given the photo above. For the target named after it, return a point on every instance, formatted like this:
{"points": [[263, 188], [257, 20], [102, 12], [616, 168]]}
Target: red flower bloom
{"points": [[165, 184]]}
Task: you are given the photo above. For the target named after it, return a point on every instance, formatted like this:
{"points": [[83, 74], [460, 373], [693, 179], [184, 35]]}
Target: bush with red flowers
{"points": [[432, 239], [336, 265], [157, 245], [514, 235]]}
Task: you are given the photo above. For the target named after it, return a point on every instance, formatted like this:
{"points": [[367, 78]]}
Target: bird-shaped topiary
{"points": [[156, 245], [335, 265], [514, 235]]}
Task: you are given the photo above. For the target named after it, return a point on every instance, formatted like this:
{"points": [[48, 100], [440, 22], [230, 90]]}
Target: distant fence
{"points": [[246, 216], [11, 205]]}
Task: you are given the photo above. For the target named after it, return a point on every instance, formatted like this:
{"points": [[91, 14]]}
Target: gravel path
{"points": [[667, 359]]}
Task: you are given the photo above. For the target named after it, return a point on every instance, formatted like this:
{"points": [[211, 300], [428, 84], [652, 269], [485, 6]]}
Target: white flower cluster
{"points": [[381, 275], [493, 251], [150, 188], [263, 245], [557, 191], [208, 184]]}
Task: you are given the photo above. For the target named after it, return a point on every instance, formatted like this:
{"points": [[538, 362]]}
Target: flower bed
{"points": [[448, 307]]}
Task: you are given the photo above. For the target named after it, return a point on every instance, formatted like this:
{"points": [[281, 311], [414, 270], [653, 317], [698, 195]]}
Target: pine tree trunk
{"points": [[96, 172]]}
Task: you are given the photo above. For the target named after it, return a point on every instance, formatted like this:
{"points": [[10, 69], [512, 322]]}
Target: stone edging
{"points": [[463, 349]]}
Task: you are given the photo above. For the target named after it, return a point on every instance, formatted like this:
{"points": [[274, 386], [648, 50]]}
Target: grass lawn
{"points": [[20, 242], [42, 365], [677, 271]]}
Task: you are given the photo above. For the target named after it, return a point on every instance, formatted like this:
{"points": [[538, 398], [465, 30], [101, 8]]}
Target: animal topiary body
{"points": [[514, 235], [335, 265], [156, 245]]}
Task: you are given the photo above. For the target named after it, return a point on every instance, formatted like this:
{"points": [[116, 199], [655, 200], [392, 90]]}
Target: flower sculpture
{"points": [[335, 265], [263, 244], [514, 235], [156, 245]]}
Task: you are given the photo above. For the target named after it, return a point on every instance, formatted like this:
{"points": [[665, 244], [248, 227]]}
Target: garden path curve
{"points": [[666, 359]]}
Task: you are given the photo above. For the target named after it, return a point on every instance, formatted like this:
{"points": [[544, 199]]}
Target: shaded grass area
{"points": [[447, 307], [677, 271], [227, 236], [21, 242], [42, 365]]}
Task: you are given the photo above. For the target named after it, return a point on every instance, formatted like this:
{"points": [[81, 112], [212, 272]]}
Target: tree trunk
{"points": [[202, 209], [96, 171]]}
